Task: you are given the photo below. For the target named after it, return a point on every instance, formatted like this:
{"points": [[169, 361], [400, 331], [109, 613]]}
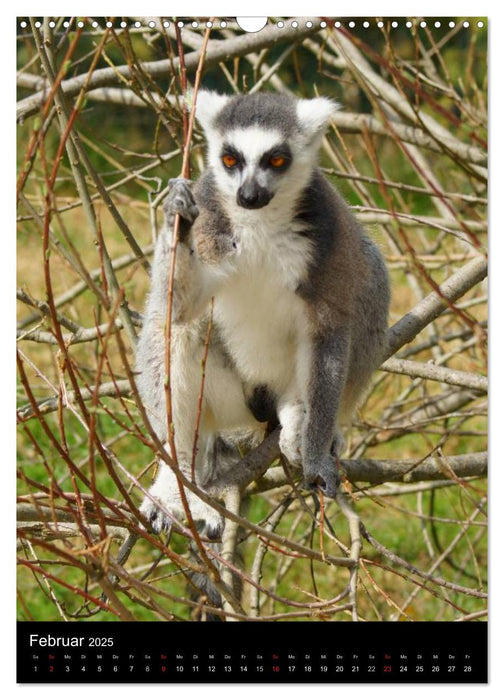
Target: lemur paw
{"points": [[180, 200], [290, 446], [322, 474], [292, 417], [165, 507]]}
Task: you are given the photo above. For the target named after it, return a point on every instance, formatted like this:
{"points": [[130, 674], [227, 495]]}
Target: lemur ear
{"points": [[208, 105], [314, 115]]}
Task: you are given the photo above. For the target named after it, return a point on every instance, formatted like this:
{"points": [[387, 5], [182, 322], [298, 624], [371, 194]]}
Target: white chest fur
{"points": [[258, 311]]}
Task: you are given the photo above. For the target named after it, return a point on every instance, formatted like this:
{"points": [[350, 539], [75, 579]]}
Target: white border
{"points": [[427, 8]]}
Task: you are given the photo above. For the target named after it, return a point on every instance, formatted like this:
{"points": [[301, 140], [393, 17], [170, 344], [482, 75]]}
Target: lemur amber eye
{"points": [[229, 160], [277, 161]]}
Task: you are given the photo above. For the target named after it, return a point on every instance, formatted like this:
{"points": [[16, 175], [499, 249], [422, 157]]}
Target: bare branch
{"points": [[410, 325], [217, 51], [435, 373]]}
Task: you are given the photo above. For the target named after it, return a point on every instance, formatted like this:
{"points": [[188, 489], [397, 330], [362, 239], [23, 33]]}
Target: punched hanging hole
{"points": [[252, 24]]}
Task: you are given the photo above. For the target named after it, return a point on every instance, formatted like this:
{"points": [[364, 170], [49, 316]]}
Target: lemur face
{"points": [[252, 164], [262, 147]]}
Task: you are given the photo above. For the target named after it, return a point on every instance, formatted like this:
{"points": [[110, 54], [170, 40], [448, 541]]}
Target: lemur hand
{"points": [[180, 200]]}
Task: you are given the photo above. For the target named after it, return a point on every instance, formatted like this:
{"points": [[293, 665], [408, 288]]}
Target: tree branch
{"points": [[217, 51], [410, 325], [374, 471], [436, 373]]}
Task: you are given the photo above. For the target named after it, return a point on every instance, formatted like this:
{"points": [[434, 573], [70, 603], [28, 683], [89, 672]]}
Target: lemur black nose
{"points": [[252, 196]]}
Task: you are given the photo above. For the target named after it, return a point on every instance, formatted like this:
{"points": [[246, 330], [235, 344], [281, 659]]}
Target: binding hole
{"points": [[252, 24]]}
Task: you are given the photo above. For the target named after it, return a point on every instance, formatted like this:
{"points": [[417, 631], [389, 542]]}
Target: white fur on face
{"points": [[253, 142]]}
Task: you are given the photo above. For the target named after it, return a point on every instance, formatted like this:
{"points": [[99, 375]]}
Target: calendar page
{"points": [[252, 349]]}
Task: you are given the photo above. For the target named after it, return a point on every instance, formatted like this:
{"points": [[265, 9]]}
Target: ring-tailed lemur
{"points": [[301, 298]]}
